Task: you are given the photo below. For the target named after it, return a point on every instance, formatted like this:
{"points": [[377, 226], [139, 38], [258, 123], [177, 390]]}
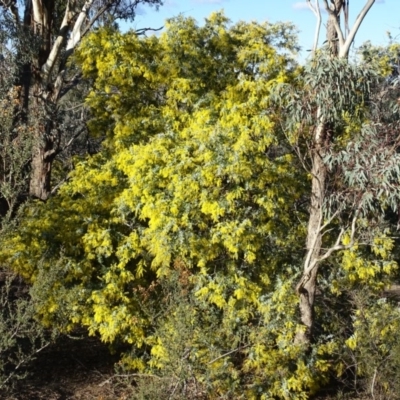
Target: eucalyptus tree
{"points": [[42, 35], [336, 102]]}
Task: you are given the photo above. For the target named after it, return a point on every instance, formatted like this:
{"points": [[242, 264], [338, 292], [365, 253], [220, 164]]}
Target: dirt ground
{"points": [[71, 369]]}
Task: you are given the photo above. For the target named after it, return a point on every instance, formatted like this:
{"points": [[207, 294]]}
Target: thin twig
{"points": [[373, 383], [143, 31], [228, 353], [316, 10]]}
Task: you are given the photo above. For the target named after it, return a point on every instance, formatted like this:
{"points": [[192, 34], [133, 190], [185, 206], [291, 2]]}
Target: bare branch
{"points": [[346, 16], [77, 134], [75, 107], [309, 265], [329, 221], [76, 31], [95, 18], [137, 375], [70, 84], [40, 14], [228, 353], [56, 187], [337, 246], [22, 362], [143, 31], [344, 50], [102, 10], [57, 46], [317, 11]]}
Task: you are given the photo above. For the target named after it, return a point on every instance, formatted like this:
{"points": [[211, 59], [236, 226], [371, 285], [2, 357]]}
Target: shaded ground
{"points": [[70, 369]]}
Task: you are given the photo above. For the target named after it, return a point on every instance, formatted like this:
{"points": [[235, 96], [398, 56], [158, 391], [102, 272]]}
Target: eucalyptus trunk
{"points": [[308, 284], [339, 46], [321, 141], [39, 16]]}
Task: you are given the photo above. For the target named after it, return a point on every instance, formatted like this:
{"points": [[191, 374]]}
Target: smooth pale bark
{"points": [[307, 286], [317, 11]]}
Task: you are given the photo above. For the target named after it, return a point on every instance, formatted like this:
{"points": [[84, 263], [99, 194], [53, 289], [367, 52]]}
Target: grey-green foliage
{"points": [[21, 336], [337, 86], [369, 167], [362, 121], [332, 86]]}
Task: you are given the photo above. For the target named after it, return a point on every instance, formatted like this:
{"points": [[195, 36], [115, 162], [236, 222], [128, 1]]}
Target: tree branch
{"points": [[56, 49], [228, 353], [143, 31], [40, 14], [336, 247], [343, 52], [137, 375], [95, 18], [317, 11], [77, 134], [76, 31]]}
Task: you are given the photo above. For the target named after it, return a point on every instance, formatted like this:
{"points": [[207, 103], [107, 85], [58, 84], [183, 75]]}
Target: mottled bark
{"points": [[41, 18], [41, 174], [331, 34]]}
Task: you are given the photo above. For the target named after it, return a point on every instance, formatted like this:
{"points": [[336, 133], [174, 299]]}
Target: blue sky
{"points": [[384, 16]]}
